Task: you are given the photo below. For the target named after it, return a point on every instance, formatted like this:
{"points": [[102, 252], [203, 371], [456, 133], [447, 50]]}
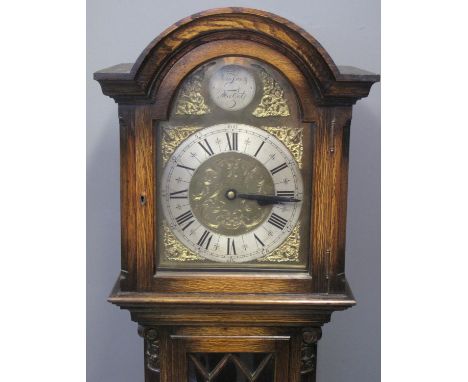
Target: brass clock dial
{"points": [[231, 193]]}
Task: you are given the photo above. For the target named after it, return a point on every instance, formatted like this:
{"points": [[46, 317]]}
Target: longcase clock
{"points": [[234, 139]]}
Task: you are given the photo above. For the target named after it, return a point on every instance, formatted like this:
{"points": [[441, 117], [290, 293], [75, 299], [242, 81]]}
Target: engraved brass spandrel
{"points": [[172, 137], [291, 138], [273, 103], [224, 172], [174, 250], [288, 252], [191, 100]]}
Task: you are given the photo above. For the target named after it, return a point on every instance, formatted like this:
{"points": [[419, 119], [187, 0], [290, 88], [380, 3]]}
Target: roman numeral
{"points": [[177, 194], [277, 221], [187, 225], [258, 239], [259, 148], [231, 246], [181, 219], [232, 143], [207, 149], [206, 236], [285, 193], [187, 168], [278, 168]]}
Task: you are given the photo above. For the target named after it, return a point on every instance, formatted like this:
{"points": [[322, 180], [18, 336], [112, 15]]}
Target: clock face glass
{"points": [[233, 177], [220, 189]]}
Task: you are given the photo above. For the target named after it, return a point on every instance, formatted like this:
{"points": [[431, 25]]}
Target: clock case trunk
{"points": [[278, 313]]}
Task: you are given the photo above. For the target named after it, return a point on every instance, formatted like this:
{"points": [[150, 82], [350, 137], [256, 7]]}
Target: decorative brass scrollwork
{"points": [[190, 100], [288, 252], [172, 137], [273, 103], [174, 250], [217, 175], [291, 138]]}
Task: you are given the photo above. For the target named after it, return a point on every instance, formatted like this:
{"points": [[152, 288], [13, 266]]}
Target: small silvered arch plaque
{"points": [[232, 87]]}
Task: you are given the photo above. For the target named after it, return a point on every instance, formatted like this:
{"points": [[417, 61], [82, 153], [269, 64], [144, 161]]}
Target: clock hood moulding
{"points": [[330, 84]]}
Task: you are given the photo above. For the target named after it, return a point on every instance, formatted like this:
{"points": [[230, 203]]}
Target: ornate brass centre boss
{"points": [[225, 209]]}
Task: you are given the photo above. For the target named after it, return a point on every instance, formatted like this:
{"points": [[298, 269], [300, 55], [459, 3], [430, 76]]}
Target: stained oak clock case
{"points": [[234, 139]]}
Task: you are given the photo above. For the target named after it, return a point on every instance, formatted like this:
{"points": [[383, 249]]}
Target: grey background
{"points": [[117, 31]]}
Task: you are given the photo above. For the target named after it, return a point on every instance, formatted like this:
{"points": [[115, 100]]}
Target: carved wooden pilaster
{"points": [[152, 348], [310, 337]]}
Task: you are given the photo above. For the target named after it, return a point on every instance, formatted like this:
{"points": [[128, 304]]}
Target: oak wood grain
{"points": [[128, 198], [141, 82], [145, 180]]}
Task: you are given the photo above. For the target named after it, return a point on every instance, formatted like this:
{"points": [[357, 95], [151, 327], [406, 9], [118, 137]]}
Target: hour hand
{"points": [[264, 200]]}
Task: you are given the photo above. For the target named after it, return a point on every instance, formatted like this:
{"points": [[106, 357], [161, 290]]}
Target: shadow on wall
{"points": [[355, 333], [114, 350]]}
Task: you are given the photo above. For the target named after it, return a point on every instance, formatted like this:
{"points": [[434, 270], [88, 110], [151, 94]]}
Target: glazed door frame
{"points": [[182, 346]]}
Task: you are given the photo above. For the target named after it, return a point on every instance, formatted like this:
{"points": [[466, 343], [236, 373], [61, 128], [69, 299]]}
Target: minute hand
{"points": [[264, 200]]}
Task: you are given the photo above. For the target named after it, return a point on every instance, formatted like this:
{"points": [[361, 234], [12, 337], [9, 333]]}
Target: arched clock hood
{"points": [[330, 84]]}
